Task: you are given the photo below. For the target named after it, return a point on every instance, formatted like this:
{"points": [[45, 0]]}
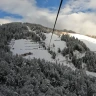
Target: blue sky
{"points": [[50, 4], [7, 14], [76, 15]]}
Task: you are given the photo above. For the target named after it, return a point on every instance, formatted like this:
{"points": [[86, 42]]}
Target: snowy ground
{"points": [[90, 42], [22, 46], [56, 40], [78, 54]]}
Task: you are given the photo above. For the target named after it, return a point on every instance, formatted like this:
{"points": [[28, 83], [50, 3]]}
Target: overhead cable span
{"points": [[56, 20]]}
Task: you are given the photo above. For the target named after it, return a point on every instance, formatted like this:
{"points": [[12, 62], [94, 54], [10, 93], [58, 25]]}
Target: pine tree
{"points": [[53, 55], [59, 50]]}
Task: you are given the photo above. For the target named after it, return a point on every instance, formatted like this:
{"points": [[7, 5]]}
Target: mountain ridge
{"points": [[33, 33], [29, 75]]}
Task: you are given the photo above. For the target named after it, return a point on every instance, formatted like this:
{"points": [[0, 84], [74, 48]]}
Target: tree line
{"points": [[22, 77], [89, 59]]}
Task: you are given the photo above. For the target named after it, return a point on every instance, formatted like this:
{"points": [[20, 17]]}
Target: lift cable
{"points": [[56, 20]]}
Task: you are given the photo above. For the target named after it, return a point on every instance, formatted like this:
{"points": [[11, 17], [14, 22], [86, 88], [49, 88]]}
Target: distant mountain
{"points": [[92, 36], [46, 29], [31, 65], [68, 44]]}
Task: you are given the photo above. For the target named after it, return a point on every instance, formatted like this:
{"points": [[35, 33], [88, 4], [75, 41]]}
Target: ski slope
{"points": [[90, 42], [23, 46], [56, 40]]}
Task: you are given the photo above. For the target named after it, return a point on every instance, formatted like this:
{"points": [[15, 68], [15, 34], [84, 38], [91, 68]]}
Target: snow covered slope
{"points": [[56, 40], [90, 42], [22, 46]]}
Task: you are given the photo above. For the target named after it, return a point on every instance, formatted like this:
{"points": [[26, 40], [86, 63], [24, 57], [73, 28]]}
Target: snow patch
{"points": [[90, 42], [23, 46], [56, 40]]}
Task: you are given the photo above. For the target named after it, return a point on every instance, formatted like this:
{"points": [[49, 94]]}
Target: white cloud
{"points": [[74, 15], [3, 21], [9, 20]]}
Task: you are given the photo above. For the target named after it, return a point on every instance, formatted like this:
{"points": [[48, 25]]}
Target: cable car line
{"points": [[56, 20]]}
